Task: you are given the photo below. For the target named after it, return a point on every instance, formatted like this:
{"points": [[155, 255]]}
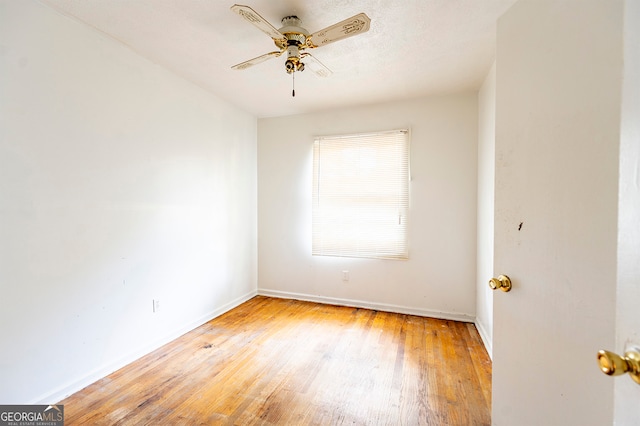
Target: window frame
{"points": [[358, 226]]}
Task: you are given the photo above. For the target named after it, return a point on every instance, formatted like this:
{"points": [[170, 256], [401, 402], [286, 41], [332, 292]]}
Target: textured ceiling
{"points": [[414, 48]]}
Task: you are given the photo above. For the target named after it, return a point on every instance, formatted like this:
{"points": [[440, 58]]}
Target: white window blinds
{"points": [[361, 195]]}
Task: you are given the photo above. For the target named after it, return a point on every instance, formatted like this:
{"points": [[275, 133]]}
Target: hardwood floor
{"points": [[276, 361]]}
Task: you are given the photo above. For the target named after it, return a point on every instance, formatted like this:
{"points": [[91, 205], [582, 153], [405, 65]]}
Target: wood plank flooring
{"points": [[286, 362]]}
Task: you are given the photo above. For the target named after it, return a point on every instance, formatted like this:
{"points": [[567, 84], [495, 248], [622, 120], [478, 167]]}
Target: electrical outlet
{"points": [[156, 305], [345, 276]]}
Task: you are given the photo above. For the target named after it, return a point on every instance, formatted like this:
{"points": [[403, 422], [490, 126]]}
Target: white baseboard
{"points": [[486, 339], [368, 305], [103, 371]]}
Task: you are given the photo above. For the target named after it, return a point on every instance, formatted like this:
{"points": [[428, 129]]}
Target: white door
{"points": [[627, 392], [558, 97]]}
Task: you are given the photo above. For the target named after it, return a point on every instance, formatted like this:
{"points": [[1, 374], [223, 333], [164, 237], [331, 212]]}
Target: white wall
{"points": [[627, 392], [439, 278], [119, 183], [486, 178]]}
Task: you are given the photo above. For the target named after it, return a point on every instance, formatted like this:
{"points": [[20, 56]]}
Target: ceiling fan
{"points": [[294, 39]]}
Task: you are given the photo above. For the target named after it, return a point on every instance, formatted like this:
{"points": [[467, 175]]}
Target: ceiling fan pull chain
{"points": [[293, 92]]}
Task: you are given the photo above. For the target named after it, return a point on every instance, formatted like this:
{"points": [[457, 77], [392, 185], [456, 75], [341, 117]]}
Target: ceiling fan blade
{"points": [[254, 61], [316, 66], [355, 25], [263, 25]]}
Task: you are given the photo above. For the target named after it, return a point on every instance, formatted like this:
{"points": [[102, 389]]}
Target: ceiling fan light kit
{"points": [[294, 39]]}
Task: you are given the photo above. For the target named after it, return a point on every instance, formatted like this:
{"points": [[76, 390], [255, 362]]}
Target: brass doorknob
{"points": [[614, 365], [503, 283]]}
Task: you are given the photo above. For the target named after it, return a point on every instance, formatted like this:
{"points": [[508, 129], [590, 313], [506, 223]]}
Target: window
{"points": [[361, 195]]}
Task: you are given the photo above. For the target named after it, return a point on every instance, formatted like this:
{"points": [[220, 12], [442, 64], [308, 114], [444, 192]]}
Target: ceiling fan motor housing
{"points": [[291, 24], [296, 37]]}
